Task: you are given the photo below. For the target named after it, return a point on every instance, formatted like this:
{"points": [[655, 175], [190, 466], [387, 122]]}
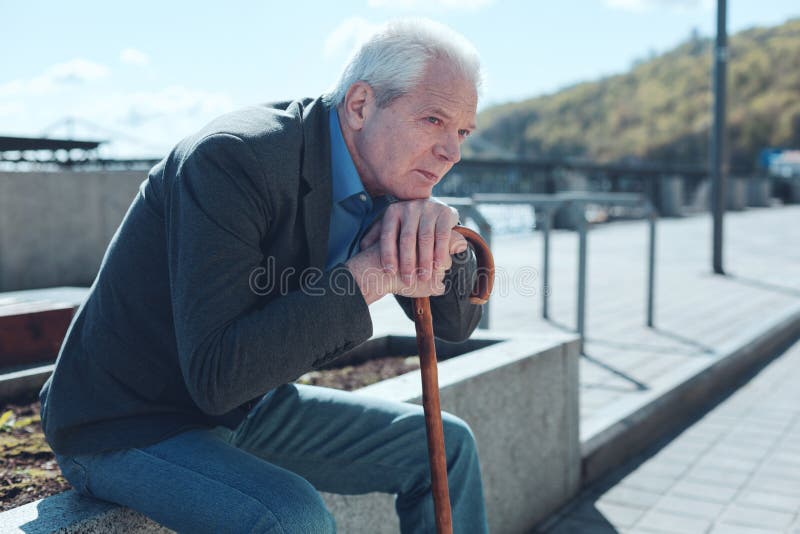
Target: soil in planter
{"points": [[28, 469], [350, 377]]}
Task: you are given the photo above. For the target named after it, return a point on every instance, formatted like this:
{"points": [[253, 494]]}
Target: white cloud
{"points": [[138, 123], [639, 6], [347, 36], [422, 4], [76, 71], [144, 106], [132, 56], [151, 122]]}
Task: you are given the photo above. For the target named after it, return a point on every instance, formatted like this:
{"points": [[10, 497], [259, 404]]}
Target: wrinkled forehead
{"points": [[444, 85]]}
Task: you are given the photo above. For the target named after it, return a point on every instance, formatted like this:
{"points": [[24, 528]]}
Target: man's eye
{"points": [[464, 133], [433, 120]]}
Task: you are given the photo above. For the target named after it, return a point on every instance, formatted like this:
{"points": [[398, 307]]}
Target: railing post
{"points": [[546, 224], [651, 216], [581, 220]]}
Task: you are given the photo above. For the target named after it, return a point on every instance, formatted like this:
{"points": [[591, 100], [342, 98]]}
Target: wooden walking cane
{"points": [[430, 382]]}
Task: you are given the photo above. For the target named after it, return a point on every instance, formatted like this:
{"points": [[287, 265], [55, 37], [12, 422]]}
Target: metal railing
{"points": [[545, 207]]}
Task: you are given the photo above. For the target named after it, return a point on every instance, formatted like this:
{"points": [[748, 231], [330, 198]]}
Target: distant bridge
{"points": [[671, 188]]}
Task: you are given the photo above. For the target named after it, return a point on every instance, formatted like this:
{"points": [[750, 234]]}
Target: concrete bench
{"points": [[519, 396]]}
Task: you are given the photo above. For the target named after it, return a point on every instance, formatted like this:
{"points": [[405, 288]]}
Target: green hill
{"points": [[661, 110]]}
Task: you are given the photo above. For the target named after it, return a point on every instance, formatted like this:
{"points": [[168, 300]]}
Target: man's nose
{"points": [[449, 148]]}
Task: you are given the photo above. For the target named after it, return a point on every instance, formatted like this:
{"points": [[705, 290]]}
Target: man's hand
{"points": [[416, 235]]}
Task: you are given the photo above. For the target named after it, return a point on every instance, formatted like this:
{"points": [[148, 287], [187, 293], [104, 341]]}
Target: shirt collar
{"points": [[346, 181]]}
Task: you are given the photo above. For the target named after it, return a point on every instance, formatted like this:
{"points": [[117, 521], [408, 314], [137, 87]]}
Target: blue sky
{"points": [[147, 73]]}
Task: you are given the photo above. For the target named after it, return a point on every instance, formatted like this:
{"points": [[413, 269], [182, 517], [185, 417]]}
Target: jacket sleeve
{"points": [[454, 317], [233, 343]]}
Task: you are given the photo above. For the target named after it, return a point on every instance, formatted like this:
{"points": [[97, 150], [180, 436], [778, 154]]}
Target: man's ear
{"points": [[357, 103]]}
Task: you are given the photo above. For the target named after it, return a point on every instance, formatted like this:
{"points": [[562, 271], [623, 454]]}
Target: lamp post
{"points": [[716, 163]]}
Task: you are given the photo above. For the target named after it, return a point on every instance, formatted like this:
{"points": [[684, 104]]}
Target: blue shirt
{"points": [[353, 210]]}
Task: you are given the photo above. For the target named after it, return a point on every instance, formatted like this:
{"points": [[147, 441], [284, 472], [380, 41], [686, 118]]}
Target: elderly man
{"points": [[249, 257]]}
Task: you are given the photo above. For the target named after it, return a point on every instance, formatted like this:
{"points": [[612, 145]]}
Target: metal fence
{"points": [[545, 207]]}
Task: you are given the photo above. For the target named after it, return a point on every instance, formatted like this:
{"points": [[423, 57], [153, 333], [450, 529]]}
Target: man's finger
{"points": [[390, 226], [426, 239], [407, 248], [372, 235], [457, 243], [444, 228]]}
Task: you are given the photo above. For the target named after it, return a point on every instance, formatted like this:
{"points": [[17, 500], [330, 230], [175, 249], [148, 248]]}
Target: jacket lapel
{"points": [[316, 175]]}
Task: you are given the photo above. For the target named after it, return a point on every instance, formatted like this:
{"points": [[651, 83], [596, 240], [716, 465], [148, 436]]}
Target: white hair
{"points": [[394, 58]]}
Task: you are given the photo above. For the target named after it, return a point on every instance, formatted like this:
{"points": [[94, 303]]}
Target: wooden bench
{"points": [[33, 324]]}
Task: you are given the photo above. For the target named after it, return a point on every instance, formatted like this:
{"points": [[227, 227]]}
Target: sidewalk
{"points": [[736, 470], [700, 318]]}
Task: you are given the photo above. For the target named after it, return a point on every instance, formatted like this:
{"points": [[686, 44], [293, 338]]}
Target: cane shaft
{"points": [[433, 414]]}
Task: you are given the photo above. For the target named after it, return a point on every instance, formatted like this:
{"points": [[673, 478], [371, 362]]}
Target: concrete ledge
{"points": [[68, 513], [23, 382], [625, 428], [520, 396]]}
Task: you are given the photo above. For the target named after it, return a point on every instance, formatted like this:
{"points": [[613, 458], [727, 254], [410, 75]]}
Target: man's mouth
{"points": [[429, 175]]}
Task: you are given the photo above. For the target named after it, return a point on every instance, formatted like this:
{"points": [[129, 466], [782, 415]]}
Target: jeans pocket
{"points": [[75, 473]]}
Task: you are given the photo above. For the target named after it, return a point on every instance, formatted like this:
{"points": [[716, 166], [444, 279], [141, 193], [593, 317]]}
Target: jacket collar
{"points": [[316, 175]]}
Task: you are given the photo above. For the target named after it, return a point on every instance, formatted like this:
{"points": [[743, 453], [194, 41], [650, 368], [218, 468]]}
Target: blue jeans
{"points": [[264, 476]]}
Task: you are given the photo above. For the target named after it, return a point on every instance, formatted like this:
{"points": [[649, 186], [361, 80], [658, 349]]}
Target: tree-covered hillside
{"points": [[662, 109]]}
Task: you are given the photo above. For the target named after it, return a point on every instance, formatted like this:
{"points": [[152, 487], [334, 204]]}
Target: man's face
{"points": [[405, 148]]}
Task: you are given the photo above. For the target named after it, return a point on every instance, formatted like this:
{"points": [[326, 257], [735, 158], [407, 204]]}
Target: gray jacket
{"points": [[212, 292]]}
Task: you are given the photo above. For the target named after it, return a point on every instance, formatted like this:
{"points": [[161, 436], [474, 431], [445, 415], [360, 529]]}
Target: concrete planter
{"points": [[758, 192], [671, 195], [520, 397], [737, 193], [518, 394]]}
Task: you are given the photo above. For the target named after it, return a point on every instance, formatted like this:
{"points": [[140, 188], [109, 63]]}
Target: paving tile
{"points": [[681, 447], [662, 469], [632, 497], [783, 456], [733, 479], [701, 490], [755, 439], [692, 507], [779, 471], [782, 486], [670, 522], [756, 517], [678, 458], [730, 464], [789, 447], [730, 528], [652, 483], [769, 500], [619, 515], [739, 453]]}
